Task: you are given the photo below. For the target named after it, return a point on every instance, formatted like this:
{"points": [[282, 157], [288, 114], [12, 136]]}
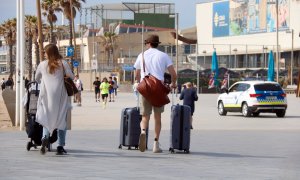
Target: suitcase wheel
{"points": [[49, 147], [186, 151], [29, 145], [120, 146], [171, 150], [129, 147]]}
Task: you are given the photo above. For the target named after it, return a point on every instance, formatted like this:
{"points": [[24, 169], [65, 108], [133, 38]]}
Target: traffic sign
{"points": [[75, 63], [94, 64], [70, 51], [127, 68]]}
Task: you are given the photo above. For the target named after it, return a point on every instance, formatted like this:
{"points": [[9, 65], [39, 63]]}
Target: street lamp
{"points": [[197, 68], [277, 37], [204, 57], [265, 50], [235, 50], [176, 16], [277, 42], [292, 53]]}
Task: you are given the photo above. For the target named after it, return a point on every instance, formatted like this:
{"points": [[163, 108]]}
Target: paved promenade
{"points": [[230, 147]]}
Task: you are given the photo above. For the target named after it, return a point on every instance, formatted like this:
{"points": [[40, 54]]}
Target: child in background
{"points": [[189, 96]]}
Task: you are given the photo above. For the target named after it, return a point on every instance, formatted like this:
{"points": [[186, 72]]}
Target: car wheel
{"points": [[221, 109], [245, 110], [255, 114], [280, 113]]}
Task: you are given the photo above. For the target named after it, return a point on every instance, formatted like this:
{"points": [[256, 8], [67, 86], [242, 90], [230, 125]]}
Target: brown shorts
{"points": [[146, 107]]}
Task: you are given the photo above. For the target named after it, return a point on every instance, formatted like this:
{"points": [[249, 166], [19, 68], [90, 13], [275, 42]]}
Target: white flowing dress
{"points": [[53, 101]]}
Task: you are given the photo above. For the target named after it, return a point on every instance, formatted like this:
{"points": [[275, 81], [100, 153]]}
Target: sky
{"points": [[185, 8]]}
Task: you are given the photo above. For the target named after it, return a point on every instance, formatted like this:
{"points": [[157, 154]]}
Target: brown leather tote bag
{"points": [[153, 90]]}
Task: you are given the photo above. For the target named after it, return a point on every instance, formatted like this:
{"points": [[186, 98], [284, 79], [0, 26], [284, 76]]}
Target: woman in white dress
{"points": [[53, 102]]}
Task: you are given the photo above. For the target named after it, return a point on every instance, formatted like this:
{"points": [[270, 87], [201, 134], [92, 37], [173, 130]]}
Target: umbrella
{"points": [[214, 71], [271, 71]]}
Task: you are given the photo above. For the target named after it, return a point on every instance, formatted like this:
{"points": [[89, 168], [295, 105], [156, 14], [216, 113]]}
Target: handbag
{"points": [[69, 84], [153, 90]]}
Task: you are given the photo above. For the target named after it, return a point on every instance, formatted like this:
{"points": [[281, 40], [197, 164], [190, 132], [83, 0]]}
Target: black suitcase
{"points": [[130, 128], [180, 128]]}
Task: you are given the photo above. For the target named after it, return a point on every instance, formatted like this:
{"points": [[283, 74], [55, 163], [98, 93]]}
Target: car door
{"points": [[231, 100]]}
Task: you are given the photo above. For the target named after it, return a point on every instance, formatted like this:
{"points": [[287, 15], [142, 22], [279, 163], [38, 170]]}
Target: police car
{"points": [[253, 98]]}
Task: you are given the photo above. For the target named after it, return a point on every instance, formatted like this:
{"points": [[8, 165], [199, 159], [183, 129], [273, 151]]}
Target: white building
{"points": [[244, 31]]}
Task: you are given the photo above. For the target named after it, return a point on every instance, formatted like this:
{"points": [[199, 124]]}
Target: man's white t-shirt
{"points": [[156, 63]]}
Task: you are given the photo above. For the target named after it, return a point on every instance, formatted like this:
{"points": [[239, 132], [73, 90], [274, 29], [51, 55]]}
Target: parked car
{"points": [[253, 98]]}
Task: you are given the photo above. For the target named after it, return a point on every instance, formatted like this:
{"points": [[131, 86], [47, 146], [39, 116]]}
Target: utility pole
{"points": [[277, 43], [73, 32], [177, 47]]}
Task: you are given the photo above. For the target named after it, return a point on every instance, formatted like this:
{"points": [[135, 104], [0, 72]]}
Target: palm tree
{"points": [[37, 46], [49, 8], [65, 4], [109, 43], [70, 13], [8, 31], [30, 32]]}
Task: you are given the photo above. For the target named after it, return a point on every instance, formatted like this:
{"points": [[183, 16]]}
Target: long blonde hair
{"points": [[53, 57]]}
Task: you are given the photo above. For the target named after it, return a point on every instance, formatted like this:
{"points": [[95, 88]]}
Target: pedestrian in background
{"points": [[97, 84], [79, 86], [53, 102], [189, 96], [115, 86], [111, 90], [3, 84], [9, 83], [26, 82], [104, 88]]}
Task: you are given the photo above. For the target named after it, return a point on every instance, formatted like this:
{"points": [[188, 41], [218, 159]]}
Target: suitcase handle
{"points": [[173, 92]]}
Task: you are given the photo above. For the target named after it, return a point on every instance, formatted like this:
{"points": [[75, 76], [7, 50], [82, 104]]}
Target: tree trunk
{"points": [[70, 42], [37, 48], [51, 39], [71, 33], [37, 53], [108, 57], [30, 58]]}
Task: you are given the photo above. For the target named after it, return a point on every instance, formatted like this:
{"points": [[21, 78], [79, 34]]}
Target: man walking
{"points": [[96, 84], [156, 63], [111, 90]]}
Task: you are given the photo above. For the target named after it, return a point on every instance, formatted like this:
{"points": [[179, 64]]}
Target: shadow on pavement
{"points": [[229, 155], [92, 154]]}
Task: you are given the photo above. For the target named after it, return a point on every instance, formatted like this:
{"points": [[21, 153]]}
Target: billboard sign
{"points": [[220, 19], [242, 17]]}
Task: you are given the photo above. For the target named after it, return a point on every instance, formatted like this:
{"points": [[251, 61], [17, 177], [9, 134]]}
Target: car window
{"points": [[243, 87], [267, 87], [234, 88]]}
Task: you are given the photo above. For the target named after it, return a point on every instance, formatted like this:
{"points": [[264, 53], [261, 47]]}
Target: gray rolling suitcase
{"points": [[130, 128], [180, 128]]}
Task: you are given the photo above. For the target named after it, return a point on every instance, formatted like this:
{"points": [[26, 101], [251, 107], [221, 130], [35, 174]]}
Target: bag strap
{"points": [[63, 67], [144, 64]]}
